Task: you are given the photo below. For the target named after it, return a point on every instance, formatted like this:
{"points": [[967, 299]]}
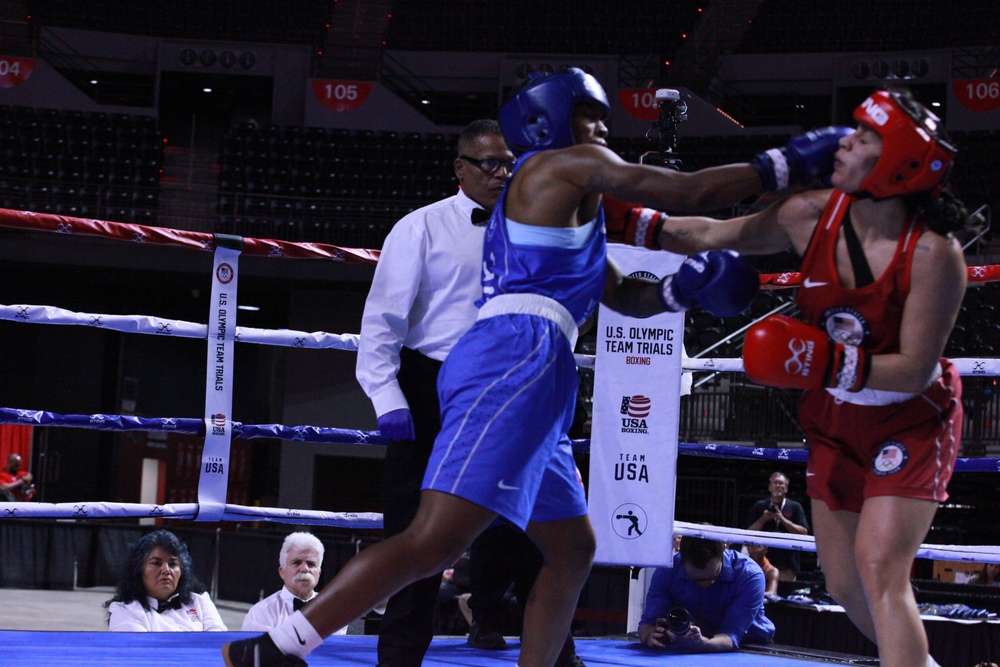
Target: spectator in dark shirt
{"points": [[780, 514]]}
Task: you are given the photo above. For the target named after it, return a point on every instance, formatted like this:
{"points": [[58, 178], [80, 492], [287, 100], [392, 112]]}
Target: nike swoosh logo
{"points": [[807, 283], [302, 641], [505, 487]]}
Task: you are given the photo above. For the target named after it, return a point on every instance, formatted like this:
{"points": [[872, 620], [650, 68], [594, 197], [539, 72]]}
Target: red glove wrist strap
{"points": [[849, 367], [644, 226]]}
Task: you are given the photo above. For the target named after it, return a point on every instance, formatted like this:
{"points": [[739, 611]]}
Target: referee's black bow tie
{"points": [[298, 604], [480, 216], [173, 602]]}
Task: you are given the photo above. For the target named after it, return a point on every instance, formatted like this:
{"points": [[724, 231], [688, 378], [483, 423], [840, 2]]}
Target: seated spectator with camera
{"points": [[710, 601], [780, 514]]}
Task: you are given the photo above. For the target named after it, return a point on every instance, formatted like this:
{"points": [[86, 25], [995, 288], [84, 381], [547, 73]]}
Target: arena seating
{"points": [[80, 164], [975, 170], [523, 26], [235, 20], [526, 27], [311, 184], [315, 184], [867, 25]]}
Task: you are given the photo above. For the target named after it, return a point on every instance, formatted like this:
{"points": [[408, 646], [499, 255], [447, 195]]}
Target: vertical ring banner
{"points": [[213, 480], [633, 443]]}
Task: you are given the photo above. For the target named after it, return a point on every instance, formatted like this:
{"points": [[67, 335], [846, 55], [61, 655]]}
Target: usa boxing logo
{"points": [[797, 364], [636, 406], [218, 424], [890, 459], [634, 411]]}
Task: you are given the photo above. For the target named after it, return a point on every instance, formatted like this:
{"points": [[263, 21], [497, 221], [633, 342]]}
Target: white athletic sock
{"points": [[296, 636]]}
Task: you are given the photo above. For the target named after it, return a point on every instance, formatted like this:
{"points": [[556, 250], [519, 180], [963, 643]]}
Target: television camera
{"points": [[672, 112]]}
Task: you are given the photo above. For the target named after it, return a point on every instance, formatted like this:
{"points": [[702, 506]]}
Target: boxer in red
{"points": [[883, 281]]}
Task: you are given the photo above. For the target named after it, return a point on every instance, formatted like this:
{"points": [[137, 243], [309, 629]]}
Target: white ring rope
{"points": [[967, 553], [163, 327], [144, 324], [370, 520]]}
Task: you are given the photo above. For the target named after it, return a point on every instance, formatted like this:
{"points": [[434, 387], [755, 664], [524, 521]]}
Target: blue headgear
{"points": [[540, 114]]}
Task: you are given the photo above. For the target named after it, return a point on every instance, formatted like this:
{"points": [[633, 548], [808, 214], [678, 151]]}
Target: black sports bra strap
{"points": [[859, 263]]}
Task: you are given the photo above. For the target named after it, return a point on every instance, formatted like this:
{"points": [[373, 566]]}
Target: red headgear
{"points": [[915, 157]]}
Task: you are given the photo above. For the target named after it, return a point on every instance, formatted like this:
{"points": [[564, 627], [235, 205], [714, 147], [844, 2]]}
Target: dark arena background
{"points": [[319, 123]]}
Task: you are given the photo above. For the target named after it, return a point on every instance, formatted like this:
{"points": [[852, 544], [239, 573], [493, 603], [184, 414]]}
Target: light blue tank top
{"points": [[573, 276]]}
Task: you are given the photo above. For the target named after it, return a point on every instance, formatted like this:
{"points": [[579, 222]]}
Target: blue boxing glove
{"points": [[720, 281], [806, 159], [397, 425]]}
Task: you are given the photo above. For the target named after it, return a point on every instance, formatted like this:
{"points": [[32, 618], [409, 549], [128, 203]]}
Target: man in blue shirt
{"points": [[723, 593]]}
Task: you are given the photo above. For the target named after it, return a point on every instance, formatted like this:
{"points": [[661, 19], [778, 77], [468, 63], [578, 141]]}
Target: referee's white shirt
{"points": [[423, 294]]}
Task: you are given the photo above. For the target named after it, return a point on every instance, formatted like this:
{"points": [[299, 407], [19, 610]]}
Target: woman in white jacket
{"points": [[158, 591]]}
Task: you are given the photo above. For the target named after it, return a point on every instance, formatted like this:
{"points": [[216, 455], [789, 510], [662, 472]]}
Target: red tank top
{"points": [[869, 316]]}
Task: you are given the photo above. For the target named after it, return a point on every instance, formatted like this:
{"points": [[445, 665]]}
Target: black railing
{"points": [[735, 411], [981, 428]]}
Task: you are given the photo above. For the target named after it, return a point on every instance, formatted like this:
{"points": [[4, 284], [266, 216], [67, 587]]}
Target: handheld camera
{"points": [[678, 620], [672, 112]]}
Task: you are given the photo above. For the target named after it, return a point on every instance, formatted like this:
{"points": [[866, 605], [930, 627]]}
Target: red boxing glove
{"points": [[632, 224], [782, 352]]}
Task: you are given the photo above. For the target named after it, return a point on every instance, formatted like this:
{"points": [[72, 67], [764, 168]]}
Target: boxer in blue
{"points": [[508, 387]]}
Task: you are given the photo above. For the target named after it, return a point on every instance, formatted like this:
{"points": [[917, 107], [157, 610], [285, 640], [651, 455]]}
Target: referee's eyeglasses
{"points": [[490, 165]]}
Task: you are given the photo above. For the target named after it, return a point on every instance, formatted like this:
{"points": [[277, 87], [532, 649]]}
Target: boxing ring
{"points": [[218, 429]]}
